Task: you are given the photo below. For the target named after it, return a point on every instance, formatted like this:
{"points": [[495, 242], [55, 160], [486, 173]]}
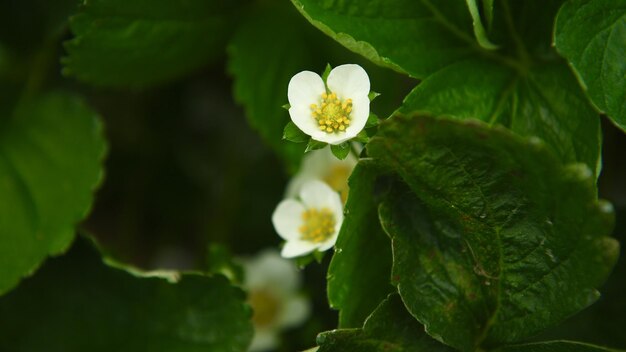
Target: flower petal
{"points": [[337, 208], [349, 81], [264, 340], [287, 218], [269, 271], [328, 244], [303, 118], [296, 182], [315, 165], [296, 248], [294, 312], [317, 194], [319, 164], [359, 116], [305, 88], [333, 138]]}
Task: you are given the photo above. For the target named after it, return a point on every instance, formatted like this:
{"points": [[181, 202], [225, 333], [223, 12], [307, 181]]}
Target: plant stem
{"points": [[353, 150]]}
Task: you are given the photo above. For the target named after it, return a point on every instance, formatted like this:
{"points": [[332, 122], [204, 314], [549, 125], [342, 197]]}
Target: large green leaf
{"points": [[554, 346], [77, 303], [544, 102], [591, 34], [390, 328], [415, 37], [138, 43], [360, 271], [498, 239], [423, 36], [51, 150], [263, 58]]}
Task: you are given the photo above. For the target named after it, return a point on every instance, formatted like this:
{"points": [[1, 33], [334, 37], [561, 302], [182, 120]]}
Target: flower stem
{"points": [[354, 150]]}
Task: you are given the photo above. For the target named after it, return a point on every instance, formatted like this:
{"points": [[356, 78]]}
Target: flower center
{"points": [[265, 307], [332, 114], [317, 225], [337, 179]]}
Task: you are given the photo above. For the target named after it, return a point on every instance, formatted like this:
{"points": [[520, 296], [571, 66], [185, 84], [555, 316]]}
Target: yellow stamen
{"points": [[265, 307], [318, 225], [337, 179], [332, 113]]}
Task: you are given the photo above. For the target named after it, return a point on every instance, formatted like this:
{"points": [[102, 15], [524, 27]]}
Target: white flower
{"points": [[333, 112], [322, 165], [311, 223], [272, 284]]}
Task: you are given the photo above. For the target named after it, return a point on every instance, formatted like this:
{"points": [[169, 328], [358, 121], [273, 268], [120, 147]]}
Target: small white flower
{"points": [[272, 284], [311, 223], [322, 165], [333, 112]]}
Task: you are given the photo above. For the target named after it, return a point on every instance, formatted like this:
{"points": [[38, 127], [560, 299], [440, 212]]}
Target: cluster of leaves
{"points": [[52, 149], [473, 223], [485, 220]]}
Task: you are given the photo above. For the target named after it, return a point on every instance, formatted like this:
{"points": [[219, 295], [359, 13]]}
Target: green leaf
{"points": [[293, 134], [51, 150], [314, 145], [390, 328], [362, 137], [544, 102], [498, 239], [304, 260], [220, 260], [263, 57], [372, 120], [414, 37], [591, 34], [421, 37], [326, 72], [315, 256], [554, 346], [340, 151], [373, 95], [77, 303], [359, 273], [122, 43]]}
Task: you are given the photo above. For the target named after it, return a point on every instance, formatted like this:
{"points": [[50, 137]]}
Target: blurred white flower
{"points": [[310, 223], [322, 165], [272, 283], [331, 112]]}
